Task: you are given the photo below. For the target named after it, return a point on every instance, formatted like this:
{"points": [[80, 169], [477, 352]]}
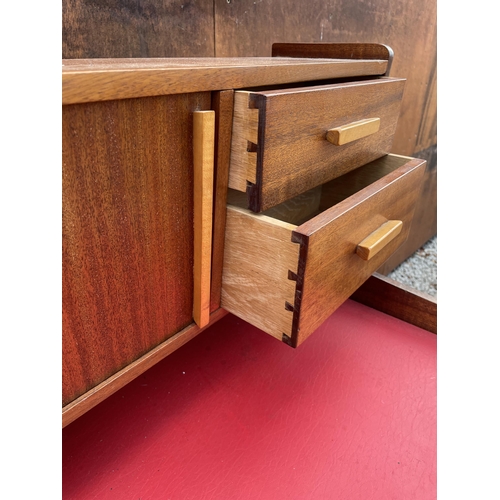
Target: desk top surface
{"points": [[88, 80], [235, 414]]}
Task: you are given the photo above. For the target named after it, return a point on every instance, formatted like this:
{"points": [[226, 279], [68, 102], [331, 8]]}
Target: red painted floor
{"points": [[236, 414]]}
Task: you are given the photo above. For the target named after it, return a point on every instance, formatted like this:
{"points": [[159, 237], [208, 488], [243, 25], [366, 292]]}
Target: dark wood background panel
{"points": [[127, 231], [132, 28], [427, 130]]}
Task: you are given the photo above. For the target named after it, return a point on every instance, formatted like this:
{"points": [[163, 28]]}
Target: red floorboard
{"points": [[235, 414]]}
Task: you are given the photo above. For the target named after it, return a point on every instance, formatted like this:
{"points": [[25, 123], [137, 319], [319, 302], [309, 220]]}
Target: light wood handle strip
{"points": [[203, 158], [377, 240], [353, 131]]}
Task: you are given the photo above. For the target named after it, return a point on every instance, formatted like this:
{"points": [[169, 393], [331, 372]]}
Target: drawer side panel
{"points": [[258, 256]]}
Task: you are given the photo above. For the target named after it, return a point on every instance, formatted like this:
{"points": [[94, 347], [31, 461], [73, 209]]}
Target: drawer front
{"points": [[287, 279], [286, 142], [330, 270]]}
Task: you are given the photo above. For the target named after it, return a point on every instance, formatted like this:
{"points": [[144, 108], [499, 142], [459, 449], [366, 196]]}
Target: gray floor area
{"points": [[420, 270]]}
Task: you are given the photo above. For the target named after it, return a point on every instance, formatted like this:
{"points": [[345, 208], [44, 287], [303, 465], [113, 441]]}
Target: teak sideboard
{"points": [[191, 187]]}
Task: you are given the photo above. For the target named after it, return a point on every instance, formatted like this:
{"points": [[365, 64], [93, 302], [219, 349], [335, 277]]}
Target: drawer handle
{"points": [[373, 243], [353, 131], [203, 166]]}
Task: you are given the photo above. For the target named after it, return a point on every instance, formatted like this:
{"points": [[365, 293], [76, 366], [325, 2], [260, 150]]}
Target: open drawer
{"points": [[288, 141], [287, 269]]}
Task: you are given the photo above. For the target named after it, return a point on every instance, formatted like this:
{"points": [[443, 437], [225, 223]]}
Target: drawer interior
{"points": [[288, 268], [308, 205]]}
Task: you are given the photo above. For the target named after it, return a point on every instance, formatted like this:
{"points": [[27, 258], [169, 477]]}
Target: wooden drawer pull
{"points": [[352, 131], [203, 159], [373, 243]]}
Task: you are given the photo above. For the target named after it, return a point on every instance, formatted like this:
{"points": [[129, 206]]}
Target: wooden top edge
{"points": [[171, 63], [320, 47], [345, 50], [88, 80]]}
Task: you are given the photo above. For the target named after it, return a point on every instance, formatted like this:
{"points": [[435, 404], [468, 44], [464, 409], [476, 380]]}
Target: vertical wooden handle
{"points": [[203, 157], [373, 243], [353, 131]]}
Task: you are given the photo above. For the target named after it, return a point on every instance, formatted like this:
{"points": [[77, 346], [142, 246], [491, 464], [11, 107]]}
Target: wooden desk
{"points": [[128, 251]]}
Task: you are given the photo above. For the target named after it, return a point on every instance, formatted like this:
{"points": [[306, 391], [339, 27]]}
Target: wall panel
{"points": [[137, 28]]}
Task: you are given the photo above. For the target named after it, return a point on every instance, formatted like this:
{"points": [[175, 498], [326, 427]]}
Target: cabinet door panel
{"points": [[127, 232]]}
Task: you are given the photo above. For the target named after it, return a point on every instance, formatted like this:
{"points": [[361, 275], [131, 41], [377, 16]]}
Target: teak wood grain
{"points": [[88, 80], [398, 300], [293, 154], [127, 232], [222, 104], [326, 270], [203, 165]]}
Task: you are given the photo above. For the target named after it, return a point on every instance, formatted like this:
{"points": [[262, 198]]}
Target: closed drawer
{"points": [[280, 145], [286, 270]]}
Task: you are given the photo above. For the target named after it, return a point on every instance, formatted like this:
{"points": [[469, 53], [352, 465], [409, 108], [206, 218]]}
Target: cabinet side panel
{"points": [[127, 227]]}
